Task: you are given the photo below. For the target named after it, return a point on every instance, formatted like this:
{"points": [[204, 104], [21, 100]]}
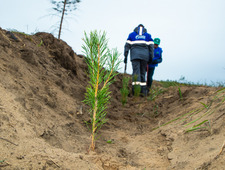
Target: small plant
{"points": [[40, 44], [111, 141], [154, 92], [155, 110], [124, 91], [136, 88], [102, 67], [205, 105], [180, 93]]}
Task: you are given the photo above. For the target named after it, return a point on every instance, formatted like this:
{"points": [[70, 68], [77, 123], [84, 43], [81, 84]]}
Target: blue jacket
{"points": [[157, 57], [140, 44]]}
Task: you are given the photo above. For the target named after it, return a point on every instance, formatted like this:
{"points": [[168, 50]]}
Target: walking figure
{"points": [[141, 47], [156, 60]]}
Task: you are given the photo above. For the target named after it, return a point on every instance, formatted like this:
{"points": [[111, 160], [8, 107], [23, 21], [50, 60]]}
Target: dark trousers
{"points": [[150, 77], [138, 76]]}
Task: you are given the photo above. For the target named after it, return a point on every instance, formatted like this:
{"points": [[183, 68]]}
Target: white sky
{"points": [[192, 32]]}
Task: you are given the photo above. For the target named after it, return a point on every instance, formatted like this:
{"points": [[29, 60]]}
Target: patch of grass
{"points": [[183, 82], [154, 92], [19, 32], [167, 84], [198, 126], [27, 36], [194, 111], [205, 110]]}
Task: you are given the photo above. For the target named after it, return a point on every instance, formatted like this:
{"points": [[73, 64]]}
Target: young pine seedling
{"points": [[136, 88], [102, 68], [124, 90]]}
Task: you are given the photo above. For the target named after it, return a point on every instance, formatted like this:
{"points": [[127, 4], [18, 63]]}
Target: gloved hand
{"points": [[125, 59], [154, 62], [150, 61], [159, 60]]}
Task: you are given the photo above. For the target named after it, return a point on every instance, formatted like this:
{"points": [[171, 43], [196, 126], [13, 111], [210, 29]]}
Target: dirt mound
{"points": [[42, 84]]}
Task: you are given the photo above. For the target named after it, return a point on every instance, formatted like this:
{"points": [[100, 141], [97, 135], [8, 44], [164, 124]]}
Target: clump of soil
{"points": [[42, 116]]}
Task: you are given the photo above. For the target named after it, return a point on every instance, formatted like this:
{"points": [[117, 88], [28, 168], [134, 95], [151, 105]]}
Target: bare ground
{"points": [[42, 86]]}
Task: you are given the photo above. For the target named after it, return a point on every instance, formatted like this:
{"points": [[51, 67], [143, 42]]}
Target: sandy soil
{"points": [[42, 86]]}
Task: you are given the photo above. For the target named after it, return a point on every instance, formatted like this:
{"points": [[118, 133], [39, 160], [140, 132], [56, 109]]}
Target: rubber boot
{"points": [[143, 91]]}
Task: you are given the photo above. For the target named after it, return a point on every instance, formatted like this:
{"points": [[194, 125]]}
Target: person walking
{"points": [[141, 46], [156, 60]]}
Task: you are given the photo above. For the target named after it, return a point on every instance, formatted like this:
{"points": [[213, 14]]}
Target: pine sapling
{"points": [[124, 90], [102, 68], [136, 88]]}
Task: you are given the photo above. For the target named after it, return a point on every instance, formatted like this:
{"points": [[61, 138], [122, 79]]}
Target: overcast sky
{"points": [[192, 32]]}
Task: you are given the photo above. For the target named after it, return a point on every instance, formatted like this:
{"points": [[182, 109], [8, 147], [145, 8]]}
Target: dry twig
{"points": [[223, 146], [3, 164], [8, 141]]}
